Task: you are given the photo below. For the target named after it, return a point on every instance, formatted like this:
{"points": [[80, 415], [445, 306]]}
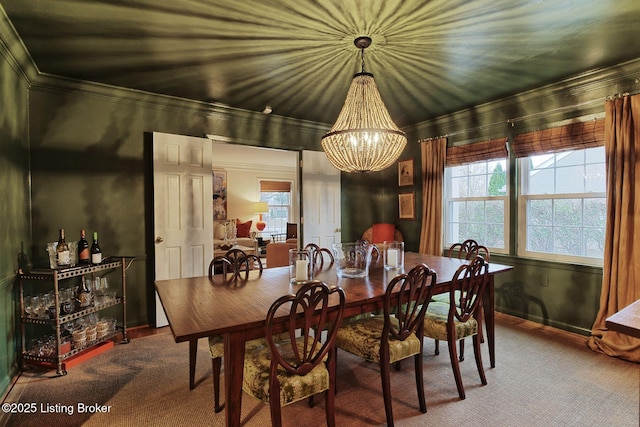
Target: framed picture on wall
{"points": [[219, 194], [405, 173], [406, 204]]}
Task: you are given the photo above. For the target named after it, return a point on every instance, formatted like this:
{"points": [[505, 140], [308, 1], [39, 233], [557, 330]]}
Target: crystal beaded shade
{"points": [[363, 138]]}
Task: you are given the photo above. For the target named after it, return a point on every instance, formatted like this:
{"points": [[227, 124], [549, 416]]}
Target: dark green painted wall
{"points": [[14, 207]]}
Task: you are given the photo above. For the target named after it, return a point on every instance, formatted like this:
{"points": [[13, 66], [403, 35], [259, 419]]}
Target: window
{"points": [[277, 194], [563, 206], [476, 203]]}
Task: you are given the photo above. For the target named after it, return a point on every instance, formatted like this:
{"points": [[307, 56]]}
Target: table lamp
{"points": [[260, 208]]}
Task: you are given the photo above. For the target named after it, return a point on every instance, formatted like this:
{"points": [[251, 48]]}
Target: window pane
{"points": [[567, 212], [539, 212], [460, 187], [541, 181], [570, 179], [595, 179]]}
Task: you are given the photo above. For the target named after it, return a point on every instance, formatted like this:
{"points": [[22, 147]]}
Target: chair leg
{"points": [[216, 363], [461, 358], [437, 352], [453, 355], [419, 382], [385, 376], [274, 405], [478, 354]]}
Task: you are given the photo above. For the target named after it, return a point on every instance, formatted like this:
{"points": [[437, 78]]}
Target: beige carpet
{"points": [[543, 377]]}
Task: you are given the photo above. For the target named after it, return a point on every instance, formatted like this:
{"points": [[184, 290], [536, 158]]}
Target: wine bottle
{"points": [[83, 248], [96, 252], [63, 256]]}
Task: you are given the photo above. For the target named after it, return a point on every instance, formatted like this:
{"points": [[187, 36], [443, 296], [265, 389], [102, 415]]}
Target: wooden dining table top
{"points": [[199, 307]]}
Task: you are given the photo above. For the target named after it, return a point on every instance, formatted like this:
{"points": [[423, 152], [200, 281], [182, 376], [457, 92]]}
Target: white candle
{"points": [[392, 257], [301, 269]]}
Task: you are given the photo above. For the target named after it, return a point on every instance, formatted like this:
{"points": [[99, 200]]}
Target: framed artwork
{"points": [[219, 194], [406, 204], [405, 172]]}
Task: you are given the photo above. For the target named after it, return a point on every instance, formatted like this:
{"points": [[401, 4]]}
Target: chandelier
{"points": [[363, 138]]}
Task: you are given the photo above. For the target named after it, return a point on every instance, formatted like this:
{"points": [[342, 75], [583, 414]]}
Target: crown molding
{"points": [[14, 51]]}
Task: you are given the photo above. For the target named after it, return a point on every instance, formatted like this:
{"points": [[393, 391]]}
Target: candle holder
{"points": [[393, 254], [300, 266]]}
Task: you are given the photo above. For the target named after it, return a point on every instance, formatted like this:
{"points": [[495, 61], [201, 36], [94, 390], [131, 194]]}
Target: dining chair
{"points": [[238, 261], [465, 250], [303, 364], [397, 333], [457, 319]]}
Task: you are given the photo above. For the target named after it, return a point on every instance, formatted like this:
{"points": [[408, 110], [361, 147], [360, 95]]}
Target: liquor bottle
{"points": [[84, 294], [63, 256], [96, 252], [83, 248]]}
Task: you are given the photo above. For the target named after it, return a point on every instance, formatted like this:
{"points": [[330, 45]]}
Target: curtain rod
{"points": [[513, 121]]}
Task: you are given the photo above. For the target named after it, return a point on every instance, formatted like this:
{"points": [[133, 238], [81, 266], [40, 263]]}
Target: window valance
{"points": [[275, 186], [477, 151], [575, 136]]}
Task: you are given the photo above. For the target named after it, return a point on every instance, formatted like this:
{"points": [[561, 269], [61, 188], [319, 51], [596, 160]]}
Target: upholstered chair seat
{"points": [[435, 323], [216, 349], [292, 387], [362, 338]]}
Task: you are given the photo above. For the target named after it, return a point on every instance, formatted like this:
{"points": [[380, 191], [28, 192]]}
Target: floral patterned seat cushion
{"points": [[293, 388], [216, 344], [435, 323], [363, 338]]}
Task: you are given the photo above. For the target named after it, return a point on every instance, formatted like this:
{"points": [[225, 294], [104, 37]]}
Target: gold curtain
{"points": [[621, 273], [433, 157]]}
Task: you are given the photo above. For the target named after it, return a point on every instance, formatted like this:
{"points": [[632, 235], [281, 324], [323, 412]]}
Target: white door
{"points": [[320, 200], [183, 209]]}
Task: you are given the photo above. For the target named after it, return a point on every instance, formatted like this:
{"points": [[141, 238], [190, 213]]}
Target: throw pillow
{"points": [[243, 228], [383, 231]]}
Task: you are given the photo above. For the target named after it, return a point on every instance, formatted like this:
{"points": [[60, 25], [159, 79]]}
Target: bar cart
{"points": [[58, 313]]}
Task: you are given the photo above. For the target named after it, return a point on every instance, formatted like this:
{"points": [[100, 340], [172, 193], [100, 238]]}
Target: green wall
{"points": [[14, 206]]}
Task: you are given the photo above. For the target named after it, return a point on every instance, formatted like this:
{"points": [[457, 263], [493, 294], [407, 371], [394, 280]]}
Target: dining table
{"points": [[199, 307]]}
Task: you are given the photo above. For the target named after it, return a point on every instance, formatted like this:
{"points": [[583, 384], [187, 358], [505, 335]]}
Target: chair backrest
{"points": [[468, 249], [407, 298], [470, 280], [292, 230], [310, 312], [317, 255]]}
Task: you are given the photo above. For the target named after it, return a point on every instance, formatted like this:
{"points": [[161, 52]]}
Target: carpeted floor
{"points": [[544, 377]]}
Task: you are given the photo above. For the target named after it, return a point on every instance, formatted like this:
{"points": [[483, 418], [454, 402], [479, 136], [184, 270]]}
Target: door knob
{"points": [[159, 239], [337, 230]]}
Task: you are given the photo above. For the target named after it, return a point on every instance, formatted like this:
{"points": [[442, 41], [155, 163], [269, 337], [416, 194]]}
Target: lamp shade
{"points": [[260, 207]]}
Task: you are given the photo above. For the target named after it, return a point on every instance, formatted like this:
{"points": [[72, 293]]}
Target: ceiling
{"points": [[429, 58]]}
